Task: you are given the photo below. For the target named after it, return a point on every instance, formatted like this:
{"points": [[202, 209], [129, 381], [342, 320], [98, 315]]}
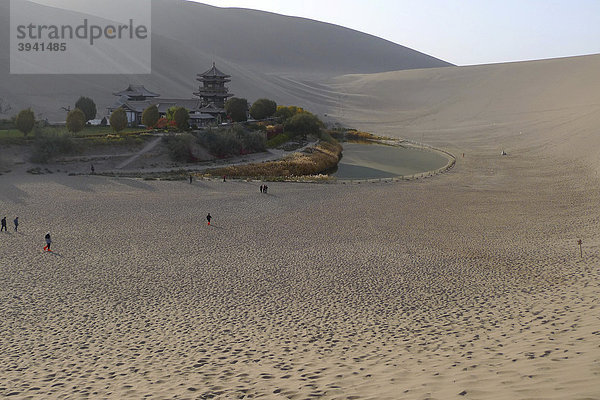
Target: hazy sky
{"points": [[462, 32]]}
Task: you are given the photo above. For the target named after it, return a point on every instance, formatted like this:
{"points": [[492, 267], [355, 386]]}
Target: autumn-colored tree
{"points": [[76, 120], [25, 121], [150, 116], [118, 119]]}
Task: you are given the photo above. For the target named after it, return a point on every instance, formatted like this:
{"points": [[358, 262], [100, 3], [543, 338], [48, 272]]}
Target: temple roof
{"points": [[211, 108], [136, 91], [214, 72]]}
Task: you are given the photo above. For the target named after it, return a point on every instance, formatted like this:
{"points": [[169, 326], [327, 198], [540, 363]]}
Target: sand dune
{"points": [[262, 51], [467, 285]]}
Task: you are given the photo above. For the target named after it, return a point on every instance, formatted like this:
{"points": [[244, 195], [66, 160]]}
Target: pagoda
{"points": [[212, 89]]}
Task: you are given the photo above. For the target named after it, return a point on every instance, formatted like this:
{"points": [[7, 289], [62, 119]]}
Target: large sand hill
{"points": [[466, 285]]}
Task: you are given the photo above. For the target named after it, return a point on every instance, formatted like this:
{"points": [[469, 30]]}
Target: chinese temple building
{"points": [[207, 108]]}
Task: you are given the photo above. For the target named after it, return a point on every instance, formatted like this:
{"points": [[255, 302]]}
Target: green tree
{"points": [[88, 107], [25, 121], [118, 119], [263, 108], [150, 116], [76, 120], [181, 116], [303, 123], [237, 109]]}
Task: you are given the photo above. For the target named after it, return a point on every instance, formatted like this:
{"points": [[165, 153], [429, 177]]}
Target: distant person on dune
{"points": [[208, 218], [16, 221], [3, 228], [48, 242]]}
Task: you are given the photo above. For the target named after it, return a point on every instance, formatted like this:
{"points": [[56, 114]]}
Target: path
{"points": [[146, 149]]}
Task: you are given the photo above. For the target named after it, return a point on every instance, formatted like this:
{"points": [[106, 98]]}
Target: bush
{"points": [[118, 120], [25, 121], [278, 140], [232, 142], [76, 120], [45, 148], [181, 147], [150, 116], [263, 108]]}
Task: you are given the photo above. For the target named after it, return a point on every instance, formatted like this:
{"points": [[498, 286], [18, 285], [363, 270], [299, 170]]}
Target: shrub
{"points": [[45, 148], [180, 147], [118, 120], [25, 121], [76, 120], [233, 141], [150, 116], [278, 140]]}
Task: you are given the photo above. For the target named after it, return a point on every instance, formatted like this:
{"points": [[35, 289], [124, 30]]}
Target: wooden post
{"points": [[579, 242]]}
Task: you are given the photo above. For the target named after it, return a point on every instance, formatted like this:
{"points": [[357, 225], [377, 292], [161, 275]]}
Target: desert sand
{"points": [[466, 285]]}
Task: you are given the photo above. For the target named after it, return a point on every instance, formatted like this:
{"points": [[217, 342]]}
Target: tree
{"points": [[150, 116], [286, 112], [237, 109], [180, 116], [118, 120], [263, 108], [304, 124], [25, 121], [75, 120], [88, 107]]}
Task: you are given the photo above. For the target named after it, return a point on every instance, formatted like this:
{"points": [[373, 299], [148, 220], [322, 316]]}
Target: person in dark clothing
{"points": [[261, 188], [48, 242], [191, 179], [265, 189], [16, 221], [3, 228], [208, 218], [93, 169]]}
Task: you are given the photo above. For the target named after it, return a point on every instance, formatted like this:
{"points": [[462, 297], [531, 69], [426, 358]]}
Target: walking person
{"points": [[48, 242], [16, 221], [191, 179], [3, 228], [265, 189], [93, 169], [261, 188], [208, 218]]}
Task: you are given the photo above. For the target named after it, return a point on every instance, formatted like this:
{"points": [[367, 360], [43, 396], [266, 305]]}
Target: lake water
{"points": [[373, 161]]}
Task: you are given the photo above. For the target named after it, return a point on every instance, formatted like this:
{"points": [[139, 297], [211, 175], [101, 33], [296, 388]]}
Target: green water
{"points": [[372, 161]]}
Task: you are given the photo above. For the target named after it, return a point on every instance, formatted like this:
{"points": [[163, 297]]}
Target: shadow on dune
{"points": [[134, 183], [12, 194]]}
